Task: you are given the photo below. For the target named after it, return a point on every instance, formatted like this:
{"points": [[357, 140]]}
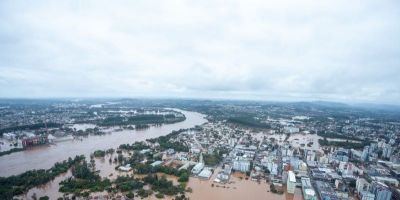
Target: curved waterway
{"points": [[44, 157]]}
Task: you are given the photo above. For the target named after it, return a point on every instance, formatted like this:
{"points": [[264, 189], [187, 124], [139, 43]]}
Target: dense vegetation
{"points": [[248, 121], [84, 181], [127, 183], [16, 185], [337, 136], [163, 186], [89, 131], [99, 153], [137, 146], [166, 143], [28, 127], [11, 151], [183, 174], [142, 126], [212, 159], [140, 120], [344, 144]]}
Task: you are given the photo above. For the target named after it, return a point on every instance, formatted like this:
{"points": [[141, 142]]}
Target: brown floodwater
{"points": [[44, 157], [237, 189], [50, 189]]}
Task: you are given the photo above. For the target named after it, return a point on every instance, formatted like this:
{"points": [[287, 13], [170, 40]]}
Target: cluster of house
{"points": [[323, 173]]}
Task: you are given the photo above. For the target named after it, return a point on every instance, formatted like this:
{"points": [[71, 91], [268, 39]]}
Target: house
{"points": [[125, 168], [197, 168], [205, 173], [156, 163]]}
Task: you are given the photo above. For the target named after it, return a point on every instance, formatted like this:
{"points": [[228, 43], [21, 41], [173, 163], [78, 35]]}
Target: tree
{"points": [[160, 195], [130, 195], [352, 183], [44, 198], [184, 177], [120, 158]]}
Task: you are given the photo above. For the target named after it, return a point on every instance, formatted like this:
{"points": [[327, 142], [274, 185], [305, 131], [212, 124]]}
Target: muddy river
{"points": [[44, 157]]}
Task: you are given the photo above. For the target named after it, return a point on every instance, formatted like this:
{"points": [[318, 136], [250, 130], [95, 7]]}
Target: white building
{"points": [[156, 163], [387, 151], [241, 165], [227, 169], [310, 155], [271, 164], [125, 168], [364, 155], [232, 142], [195, 150], [197, 168], [362, 185], [205, 173], [288, 129], [291, 182]]}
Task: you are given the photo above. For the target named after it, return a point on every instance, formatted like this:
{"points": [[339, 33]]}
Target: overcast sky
{"points": [[265, 50]]}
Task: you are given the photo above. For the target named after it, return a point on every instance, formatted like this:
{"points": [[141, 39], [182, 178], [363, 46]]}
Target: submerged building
{"points": [[35, 140]]}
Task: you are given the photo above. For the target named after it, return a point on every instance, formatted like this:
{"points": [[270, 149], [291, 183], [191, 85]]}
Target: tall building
{"points": [[364, 155], [381, 191], [241, 165], [291, 182], [362, 185], [387, 151], [372, 147]]}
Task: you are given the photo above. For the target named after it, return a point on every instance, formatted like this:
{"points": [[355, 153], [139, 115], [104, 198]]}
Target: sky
{"points": [[340, 50]]}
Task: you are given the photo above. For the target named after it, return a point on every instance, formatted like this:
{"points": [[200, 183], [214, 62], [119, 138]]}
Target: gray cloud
{"points": [[302, 50]]}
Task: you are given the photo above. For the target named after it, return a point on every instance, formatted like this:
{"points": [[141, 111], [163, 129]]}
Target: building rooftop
{"points": [[291, 176], [205, 173]]}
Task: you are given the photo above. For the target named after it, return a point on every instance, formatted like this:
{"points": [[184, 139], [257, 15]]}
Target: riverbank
{"points": [[43, 157]]}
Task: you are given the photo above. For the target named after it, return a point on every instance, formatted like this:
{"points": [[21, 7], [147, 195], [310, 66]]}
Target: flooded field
{"points": [[44, 157], [50, 189]]}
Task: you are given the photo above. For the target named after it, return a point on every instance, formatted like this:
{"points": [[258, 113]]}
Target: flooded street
{"points": [[237, 189], [44, 157]]}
